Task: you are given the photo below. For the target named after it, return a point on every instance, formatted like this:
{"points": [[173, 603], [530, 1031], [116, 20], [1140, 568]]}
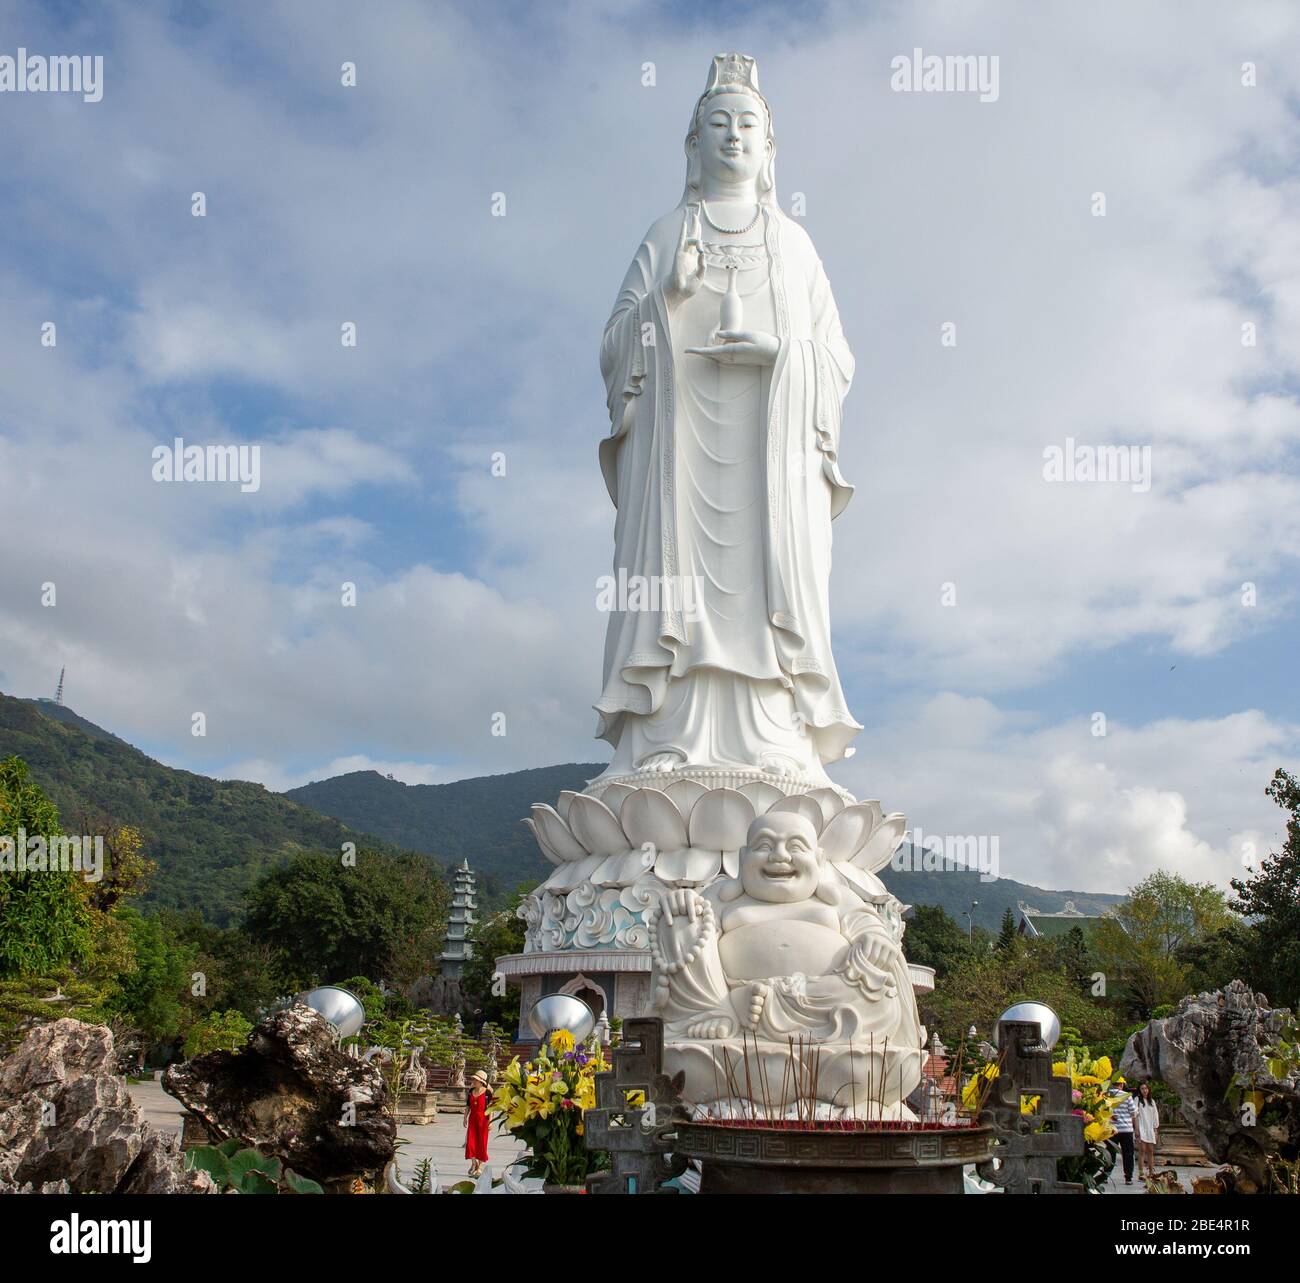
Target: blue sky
{"points": [[476, 334]]}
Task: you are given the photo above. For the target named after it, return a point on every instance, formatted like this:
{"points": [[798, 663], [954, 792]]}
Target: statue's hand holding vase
{"points": [[741, 347]]}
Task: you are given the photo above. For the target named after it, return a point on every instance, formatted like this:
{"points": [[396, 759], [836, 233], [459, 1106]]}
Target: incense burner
{"points": [[829, 1158]]}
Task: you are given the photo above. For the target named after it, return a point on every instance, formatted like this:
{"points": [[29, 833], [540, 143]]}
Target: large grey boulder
{"points": [[1209, 1043], [290, 1092], [68, 1124]]}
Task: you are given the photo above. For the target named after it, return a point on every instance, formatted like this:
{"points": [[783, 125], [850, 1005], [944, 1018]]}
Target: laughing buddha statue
{"points": [[789, 961]]}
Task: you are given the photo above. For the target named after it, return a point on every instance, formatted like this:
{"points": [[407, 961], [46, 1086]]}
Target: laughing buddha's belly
{"points": [[780, 948]]}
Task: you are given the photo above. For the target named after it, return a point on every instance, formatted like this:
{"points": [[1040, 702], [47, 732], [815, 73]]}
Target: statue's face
{"points": [[780, 862], [732, 137]]}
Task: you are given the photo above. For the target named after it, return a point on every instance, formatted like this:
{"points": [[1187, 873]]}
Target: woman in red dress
{"points": [[476, 1123]]}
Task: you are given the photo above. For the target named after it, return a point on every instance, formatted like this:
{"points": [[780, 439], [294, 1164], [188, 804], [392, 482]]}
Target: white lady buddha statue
{"points": [[721, 461], [714, 843]]}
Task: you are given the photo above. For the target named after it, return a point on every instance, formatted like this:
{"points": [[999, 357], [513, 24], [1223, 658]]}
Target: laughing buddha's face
{"points": [[781, 863]]}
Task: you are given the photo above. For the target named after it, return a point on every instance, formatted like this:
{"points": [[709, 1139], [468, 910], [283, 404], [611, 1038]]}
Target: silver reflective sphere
{"points": [[562, 1011], [340, 1007], [1049, 1023]]}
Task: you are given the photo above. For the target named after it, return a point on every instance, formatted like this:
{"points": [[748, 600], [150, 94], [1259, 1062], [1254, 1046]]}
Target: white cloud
{"points": [[1079, 811], [477, 334]]}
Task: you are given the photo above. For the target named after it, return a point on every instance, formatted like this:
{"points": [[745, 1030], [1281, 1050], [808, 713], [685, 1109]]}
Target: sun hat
{"points": [[478, 1076]]}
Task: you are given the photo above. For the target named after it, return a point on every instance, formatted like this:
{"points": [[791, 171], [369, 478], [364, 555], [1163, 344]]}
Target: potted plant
{"points": [[542, 1102]]}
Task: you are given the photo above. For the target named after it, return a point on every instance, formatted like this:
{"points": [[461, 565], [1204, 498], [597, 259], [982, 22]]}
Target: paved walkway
{"points": [[1115, 1184], [443, 1141]]}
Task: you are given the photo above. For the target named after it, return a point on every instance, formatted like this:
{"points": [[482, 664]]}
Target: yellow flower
{"points": [[974, 1090], [636, 1098], [514, 1073], [1097, 1132], [580, 1129], [1102, 1067], [1089, 1080], [539, 1103], [1029, 1104], [561, 1040], [1060, 1070], [517, 1114]]}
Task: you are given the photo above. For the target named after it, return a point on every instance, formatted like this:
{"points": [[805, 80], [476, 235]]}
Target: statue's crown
{"points": [[732, 70]]}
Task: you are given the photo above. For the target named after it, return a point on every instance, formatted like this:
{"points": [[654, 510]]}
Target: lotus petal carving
{"points": [[688, 866], [557, 843], [650, 818], [720, 819], [846, 832], [801, 804], [762, 795], [879, 848], [596, 827], [685, 793], [614, 795]]}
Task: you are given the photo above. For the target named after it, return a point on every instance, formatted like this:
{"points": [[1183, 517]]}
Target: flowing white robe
{"points": [[727, 475]]}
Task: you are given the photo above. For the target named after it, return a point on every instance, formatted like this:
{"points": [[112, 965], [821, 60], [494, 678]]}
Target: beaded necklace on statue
{"points": [[733, 231]]}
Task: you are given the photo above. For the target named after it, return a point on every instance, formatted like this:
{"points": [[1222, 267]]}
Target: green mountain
{"points": [[478, 820], [210, 838]]}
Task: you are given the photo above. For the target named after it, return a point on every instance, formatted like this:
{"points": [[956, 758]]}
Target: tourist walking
{"points": [[1146, 1125], [475, 1120], [1121, 1119]]}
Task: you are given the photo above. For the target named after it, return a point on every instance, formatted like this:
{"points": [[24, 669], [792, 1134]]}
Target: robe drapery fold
{"points": [[799, 428]]}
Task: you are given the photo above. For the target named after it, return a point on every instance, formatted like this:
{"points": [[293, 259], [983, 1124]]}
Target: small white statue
{"points": [[457, 1069], [415, 1077], [789, 950]]}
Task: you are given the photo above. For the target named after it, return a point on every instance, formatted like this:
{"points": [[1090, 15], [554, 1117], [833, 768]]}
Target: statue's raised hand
{"points": [[687, 274], [679, 926]]}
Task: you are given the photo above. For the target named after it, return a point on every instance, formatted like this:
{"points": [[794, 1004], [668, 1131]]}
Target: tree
{"points": [[1138, 945], [1214, 960], [47, 921], [1074, 956], [1271, 899], [982, 986], [933, 939], [493, 938], [235, 970], [1007, 932], [382, 917], [149, 995], [219, 1031]]}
